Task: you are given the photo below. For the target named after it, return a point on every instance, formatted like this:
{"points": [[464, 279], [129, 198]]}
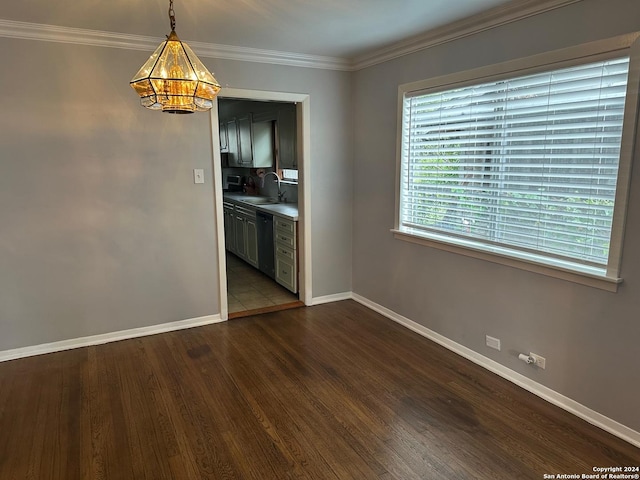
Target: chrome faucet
{"points": [[281, 194]]}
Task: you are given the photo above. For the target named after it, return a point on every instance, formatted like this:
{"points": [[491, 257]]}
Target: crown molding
{"points": [[495, 17], [96, 38], [246, 54], [78, 36], [511, 12]]}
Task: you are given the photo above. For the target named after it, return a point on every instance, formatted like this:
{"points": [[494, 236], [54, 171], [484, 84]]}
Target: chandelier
{"points": [[174, 79]]}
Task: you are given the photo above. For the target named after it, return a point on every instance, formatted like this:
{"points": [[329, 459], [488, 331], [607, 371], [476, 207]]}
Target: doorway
{"points": [[238, 280], [251, 291]]}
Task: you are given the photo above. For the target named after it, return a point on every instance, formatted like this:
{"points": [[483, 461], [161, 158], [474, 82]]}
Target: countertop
{"points": [[286, 210]]}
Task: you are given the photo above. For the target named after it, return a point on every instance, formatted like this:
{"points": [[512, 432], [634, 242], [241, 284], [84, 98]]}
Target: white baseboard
{"points": [[336, 297], [106, 338], [591, 416]]}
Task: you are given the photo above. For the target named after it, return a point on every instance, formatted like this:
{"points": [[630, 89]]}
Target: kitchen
{"points": [[258, 152]]}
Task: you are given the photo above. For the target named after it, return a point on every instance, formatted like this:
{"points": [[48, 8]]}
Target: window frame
{"points": [[591, 52], [288, 180]]}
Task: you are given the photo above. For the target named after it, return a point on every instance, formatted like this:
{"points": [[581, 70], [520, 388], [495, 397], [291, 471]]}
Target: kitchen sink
{"points": [[260, 200]]}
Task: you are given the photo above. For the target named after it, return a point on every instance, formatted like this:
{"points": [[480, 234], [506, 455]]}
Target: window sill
{"points": [[501, 256]]}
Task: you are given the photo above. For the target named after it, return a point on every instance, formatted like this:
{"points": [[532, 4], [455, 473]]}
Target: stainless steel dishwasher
{"points": [[266, 261]]}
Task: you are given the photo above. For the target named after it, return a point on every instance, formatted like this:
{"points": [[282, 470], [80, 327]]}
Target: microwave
{"points": [[234, 183]]}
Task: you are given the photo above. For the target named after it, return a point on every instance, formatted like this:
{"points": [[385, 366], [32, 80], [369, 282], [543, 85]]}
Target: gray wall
{"points": [[331, 162], [102, 228], [589, 337]]}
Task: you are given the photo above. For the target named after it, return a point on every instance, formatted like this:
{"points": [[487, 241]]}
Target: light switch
{"points": [[198, 175]]}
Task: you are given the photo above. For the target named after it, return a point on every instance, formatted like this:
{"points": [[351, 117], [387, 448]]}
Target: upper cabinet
{"points": [[250, 144], [245, 139], [262, 143], [224, 140], [257, 133], [286, 127], [233, 145]]}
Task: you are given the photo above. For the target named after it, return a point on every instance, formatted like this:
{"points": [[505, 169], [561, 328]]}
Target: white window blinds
{"points": [[529, 163]]}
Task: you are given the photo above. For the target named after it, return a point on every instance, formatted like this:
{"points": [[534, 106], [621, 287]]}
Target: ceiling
{"points": [[333, 28]]}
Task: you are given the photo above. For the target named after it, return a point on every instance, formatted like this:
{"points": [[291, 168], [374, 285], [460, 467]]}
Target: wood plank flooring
{"points": [[329, 392]]}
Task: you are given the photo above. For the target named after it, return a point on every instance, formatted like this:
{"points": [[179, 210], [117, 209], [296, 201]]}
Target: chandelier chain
{"points": [[172, 16]]}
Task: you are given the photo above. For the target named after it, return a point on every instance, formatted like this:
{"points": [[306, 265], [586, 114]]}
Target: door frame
{"points": [[303, 146]]}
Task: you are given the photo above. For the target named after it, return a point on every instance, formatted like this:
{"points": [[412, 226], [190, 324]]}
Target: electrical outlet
{"points": [[493, 342], [540, 361]]}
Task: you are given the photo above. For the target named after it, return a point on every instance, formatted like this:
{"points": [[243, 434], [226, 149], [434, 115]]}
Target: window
{"points": [[524, 164], [289, 175]]}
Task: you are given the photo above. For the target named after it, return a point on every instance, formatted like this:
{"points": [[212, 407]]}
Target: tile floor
{"points": [[249, 288]]}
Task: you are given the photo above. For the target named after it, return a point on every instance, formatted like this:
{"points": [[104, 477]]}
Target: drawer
{"points": [[285, 226], [285, 253], [285, 240], [286, 274], [249, 212]]}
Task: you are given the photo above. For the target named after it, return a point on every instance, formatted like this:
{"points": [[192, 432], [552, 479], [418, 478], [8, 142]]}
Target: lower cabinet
{"points": [[229, 227], [246, 234], [286, 274], [252, 240], [241, 238], [286, 253]]}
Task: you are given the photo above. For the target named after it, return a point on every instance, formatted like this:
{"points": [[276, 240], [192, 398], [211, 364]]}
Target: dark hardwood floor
{"points": [[329, 392]]}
